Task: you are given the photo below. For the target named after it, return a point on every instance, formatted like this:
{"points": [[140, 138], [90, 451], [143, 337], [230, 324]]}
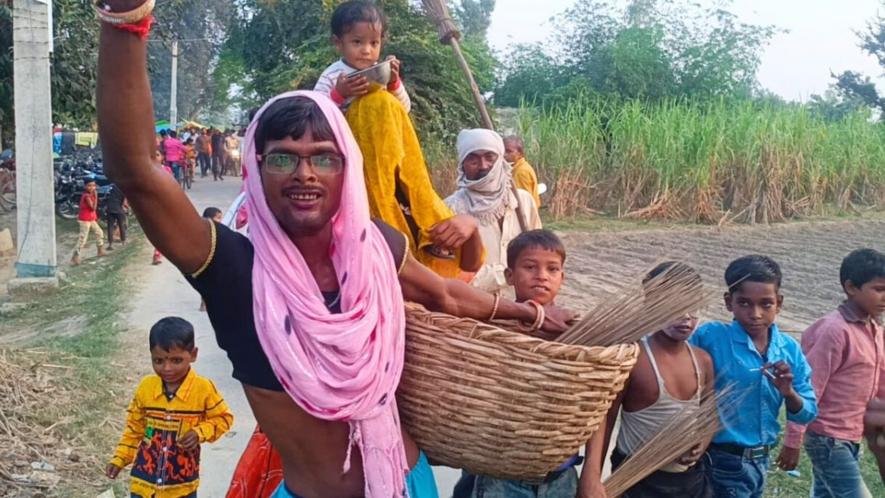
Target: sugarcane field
{"points": [[442, 249]]}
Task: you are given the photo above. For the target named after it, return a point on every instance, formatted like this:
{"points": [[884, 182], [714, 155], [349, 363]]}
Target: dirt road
{"points": [[597, 263], [809, 252], [164, 292]]}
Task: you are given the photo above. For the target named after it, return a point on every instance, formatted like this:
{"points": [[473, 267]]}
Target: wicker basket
{"points": [[499, 403]]}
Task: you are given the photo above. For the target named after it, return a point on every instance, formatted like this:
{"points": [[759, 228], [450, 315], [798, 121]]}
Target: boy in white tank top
{"points": [[669, 376]]}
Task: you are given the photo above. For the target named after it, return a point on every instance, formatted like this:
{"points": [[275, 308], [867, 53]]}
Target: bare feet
{"points": [[101, 252], [75, 260]]}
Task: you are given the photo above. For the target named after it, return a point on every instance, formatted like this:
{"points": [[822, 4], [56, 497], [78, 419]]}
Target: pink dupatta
{"points": [[343, 367]]}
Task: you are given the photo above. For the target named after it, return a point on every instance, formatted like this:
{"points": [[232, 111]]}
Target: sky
{"points": [[821, 37]]}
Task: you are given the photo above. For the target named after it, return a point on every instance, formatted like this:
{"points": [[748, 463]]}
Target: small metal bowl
{"points": [[379, 73]]}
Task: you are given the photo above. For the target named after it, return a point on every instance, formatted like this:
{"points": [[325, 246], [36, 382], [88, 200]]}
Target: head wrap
{"points": [[485, 199], [345, 366]]}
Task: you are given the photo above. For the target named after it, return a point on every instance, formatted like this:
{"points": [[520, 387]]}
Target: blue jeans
{"points": [[836, 468], [734, 476], [564, 486], [176, 171], [420, 482]]}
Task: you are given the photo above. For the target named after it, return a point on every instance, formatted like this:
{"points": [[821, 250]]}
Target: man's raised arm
{"points": [[126, 127]]}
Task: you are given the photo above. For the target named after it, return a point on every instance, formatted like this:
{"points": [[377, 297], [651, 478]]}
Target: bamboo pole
{"points": [[449, 35]]}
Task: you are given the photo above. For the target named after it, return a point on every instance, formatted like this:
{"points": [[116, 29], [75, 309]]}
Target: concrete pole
{"points": [[173, 93], [36, 258]]}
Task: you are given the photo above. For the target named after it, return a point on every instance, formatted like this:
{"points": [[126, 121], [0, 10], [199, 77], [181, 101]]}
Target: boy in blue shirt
{"points": [[766, 369]]}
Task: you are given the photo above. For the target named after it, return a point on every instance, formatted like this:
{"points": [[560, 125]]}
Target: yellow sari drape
{"points": [[392, 160], [525, 178]]}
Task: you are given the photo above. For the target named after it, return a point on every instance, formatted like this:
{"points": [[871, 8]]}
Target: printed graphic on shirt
{"points": [[160, 460]]}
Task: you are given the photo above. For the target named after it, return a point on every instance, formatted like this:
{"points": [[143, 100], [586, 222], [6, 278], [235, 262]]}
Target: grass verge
{"points": [[781, 485], [75, 331]]}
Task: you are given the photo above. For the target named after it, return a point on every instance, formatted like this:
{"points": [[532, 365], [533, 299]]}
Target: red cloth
{"points": [[87, 213], [141, 28], [174, 150], [259, 471]]}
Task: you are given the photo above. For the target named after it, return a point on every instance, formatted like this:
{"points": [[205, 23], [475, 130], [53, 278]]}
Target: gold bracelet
{"points": [[495, 307], [131, 17]]}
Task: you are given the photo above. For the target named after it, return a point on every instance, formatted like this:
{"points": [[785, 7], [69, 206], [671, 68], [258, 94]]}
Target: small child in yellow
{"points": [[171, 414], [397, 179], [523, 174]]}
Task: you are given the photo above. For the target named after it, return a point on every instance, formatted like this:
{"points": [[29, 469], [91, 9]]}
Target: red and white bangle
{"points": [[134, 16]]}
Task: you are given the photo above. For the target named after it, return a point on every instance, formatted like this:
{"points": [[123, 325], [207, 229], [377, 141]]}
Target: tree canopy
{"points": [[273, 51], [646, 50]]}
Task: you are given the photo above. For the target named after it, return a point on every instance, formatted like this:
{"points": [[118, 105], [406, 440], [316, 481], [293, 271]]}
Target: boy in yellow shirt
{"points": [[523, 174], [172, 413]]}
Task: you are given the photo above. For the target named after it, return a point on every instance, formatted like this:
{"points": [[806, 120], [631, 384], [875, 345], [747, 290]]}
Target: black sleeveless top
{"points": [[225, 283]]}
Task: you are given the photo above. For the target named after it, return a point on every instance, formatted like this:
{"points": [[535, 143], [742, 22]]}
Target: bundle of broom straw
{"points": [[632, 313], [683, 432]]}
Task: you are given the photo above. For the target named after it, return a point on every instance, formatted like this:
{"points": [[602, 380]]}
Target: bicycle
{"points": [[186, 176]]}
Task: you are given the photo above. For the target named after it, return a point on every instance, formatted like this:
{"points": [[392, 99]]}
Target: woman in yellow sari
{"points": [[401, 193]]}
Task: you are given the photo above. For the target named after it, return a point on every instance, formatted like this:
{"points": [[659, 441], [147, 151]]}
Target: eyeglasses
{"points": [[286, 164]]}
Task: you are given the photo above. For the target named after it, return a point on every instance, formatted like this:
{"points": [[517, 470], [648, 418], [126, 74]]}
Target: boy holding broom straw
{"points": [[670, 377], [766, 367]]}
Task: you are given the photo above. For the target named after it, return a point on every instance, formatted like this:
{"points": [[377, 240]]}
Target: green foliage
{"points": [[704, 160], [835, 106], [278, 51], [201, 29], [475, 17], [74, 63], [6, 114], [646, 50], [853, 87], [532, 75]]}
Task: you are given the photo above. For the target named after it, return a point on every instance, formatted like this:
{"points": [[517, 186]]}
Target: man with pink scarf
{"points": [[309, 307]]}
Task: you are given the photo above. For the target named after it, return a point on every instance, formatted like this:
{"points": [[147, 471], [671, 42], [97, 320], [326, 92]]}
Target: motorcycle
{"points": [[70, 182]]}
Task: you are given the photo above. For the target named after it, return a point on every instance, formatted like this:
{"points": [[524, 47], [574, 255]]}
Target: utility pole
{"points": [[36, 257], [173, 93]]}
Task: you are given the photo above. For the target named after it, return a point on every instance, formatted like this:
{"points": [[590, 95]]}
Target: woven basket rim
{"points": [[503, 337]]}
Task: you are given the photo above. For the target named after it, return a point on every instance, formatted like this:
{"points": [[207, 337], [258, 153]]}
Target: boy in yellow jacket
{"points": [[172, 413], [523, 174]]}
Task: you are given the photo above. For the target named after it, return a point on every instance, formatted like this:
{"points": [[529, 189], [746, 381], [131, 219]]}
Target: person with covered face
{"points": [[485, 192]]}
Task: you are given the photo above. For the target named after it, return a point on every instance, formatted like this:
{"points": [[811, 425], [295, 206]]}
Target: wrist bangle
{"points": [[136, 15], [542, 315], [539, 318], [495, 307]]}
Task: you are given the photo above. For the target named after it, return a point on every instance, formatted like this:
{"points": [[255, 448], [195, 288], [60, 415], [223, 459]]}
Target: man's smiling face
{"points": [[304, 200]]}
